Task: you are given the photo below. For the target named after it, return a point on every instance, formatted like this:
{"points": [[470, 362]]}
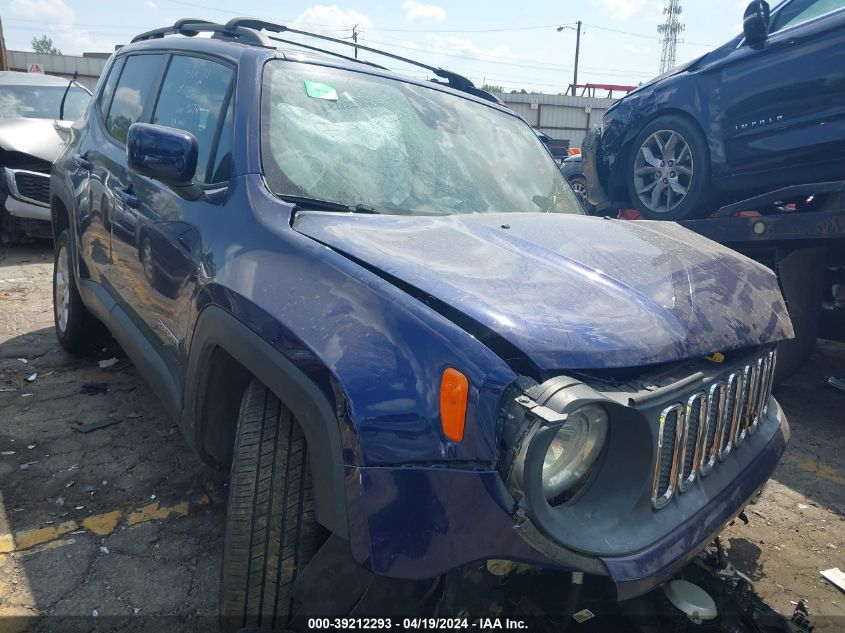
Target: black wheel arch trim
{"points": [[217, 328]]}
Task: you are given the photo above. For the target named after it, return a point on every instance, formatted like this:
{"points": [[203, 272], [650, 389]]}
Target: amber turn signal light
{"points": [[454, 390]]}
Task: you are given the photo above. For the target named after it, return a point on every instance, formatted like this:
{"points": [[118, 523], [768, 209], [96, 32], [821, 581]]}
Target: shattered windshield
{"points": [[357, 139], [41, 102]]}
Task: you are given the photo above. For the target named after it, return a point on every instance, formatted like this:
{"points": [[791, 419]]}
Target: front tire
{"points": [[669, 170], [78, 331], [271, 528]]}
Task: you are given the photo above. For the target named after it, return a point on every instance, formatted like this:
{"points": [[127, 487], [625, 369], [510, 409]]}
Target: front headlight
{"points": [[575, 448]]}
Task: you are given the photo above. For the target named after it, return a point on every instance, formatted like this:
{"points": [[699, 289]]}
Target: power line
{"points": [[647, 37]]}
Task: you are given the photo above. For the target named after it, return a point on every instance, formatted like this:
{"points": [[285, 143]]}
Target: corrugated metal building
{"points": [[562, 117], [89, 65]]}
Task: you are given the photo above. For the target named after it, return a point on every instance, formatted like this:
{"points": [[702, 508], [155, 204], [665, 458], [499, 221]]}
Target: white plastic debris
{"points": [[79, 508], [94, 613], [32, 377], [7, 453], [23, 360], [104, 549], [835, 577], [105, 364], [152, 496], [31, 446]]}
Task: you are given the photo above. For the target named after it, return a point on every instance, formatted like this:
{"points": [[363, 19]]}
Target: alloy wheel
{"points": [[147, 260], [62, 289], [580, 190], [663, 171]]}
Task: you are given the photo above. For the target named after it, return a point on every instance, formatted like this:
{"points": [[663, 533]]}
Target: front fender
{"points": [[217, 328]]}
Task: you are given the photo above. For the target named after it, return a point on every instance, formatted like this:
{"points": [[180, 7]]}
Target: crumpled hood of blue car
{"points": [[572, 291]]}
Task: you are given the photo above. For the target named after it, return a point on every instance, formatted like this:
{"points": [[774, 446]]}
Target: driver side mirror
{"points": [[165, 154], [755, 22]]}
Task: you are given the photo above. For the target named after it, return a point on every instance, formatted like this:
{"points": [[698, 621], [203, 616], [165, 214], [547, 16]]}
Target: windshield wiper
{"points": [[304, 203]]}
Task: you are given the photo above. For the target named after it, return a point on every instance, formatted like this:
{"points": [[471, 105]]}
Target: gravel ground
{"points": [[125, 520]]}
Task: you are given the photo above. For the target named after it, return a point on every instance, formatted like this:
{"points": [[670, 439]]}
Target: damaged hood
{"points": [[571, 291], [41, 138]]}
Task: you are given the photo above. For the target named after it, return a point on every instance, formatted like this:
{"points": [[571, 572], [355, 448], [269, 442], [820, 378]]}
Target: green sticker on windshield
{"points": [[317, 90]]}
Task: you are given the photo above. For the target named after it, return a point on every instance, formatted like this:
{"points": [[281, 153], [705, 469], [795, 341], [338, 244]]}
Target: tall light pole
{"points": [[355, 39], [577, 51]]}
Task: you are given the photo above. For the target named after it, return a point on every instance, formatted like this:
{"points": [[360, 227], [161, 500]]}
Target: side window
{"points": [[193, 96], [800, 11], [108, 89], [134, 87]]}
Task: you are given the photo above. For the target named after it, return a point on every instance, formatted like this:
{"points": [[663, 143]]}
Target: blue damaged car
{"points": [[378, 300]]}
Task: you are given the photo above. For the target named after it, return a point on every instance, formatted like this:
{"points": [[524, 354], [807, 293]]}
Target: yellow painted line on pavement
{"points": [[31, 538], [153, 511], [822, 470], [102, 524], [99, 524]]}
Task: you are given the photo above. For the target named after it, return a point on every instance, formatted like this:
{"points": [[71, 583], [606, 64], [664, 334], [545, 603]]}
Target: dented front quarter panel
{"points": [[680, 93]]}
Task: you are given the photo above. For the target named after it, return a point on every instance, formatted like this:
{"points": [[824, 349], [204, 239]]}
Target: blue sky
{"points": [[509, 43]]}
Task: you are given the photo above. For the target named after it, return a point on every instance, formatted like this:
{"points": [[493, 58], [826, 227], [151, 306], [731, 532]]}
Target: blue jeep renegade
{"points": [[378, 299]]}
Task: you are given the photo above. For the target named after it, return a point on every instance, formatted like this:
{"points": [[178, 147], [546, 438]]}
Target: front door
{"points": [[157, 247]]}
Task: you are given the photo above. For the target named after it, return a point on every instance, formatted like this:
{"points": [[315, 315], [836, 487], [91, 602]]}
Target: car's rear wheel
{"points": [[271, 528], [669, 170], [78, 330], [579, 186]]}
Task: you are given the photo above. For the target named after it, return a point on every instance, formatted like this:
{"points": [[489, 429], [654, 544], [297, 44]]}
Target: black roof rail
{"points": [[325, 52], [453, 80], [191, 27]]}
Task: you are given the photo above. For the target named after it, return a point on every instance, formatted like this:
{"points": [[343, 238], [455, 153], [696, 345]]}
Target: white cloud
{"points": [[58, 19], [621, 9], [453, 45], [48, 10], [636, 50], [331, 19], [151, 4], [418, 11]]}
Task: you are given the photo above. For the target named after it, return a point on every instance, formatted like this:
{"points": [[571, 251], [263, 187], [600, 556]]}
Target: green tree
{"points": [[44, 44], [492, 89]]}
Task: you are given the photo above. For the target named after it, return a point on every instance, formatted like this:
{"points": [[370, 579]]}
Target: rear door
{"points": [[104, 156], [783, 103], [157, 256]]}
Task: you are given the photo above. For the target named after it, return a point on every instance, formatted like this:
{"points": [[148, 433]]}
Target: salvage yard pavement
{"points": [[104, 510]]}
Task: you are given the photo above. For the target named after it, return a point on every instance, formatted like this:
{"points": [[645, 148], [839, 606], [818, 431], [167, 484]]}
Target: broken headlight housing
{"points": [[552, 436], [574, 450]]}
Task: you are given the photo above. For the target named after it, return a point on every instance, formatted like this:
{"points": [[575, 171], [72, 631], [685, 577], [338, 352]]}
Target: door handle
{"points": [[82, 162], [126, 196]]}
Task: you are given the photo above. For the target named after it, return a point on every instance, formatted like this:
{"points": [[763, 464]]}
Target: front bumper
{"points": [[28, 194], [422, 521]]}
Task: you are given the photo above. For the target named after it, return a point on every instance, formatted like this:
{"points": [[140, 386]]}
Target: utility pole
{"points": [[577, 52], [4, 58], [355, 39]]}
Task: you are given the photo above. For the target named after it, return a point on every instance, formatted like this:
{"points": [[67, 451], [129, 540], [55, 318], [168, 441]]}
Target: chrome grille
{"points": [[34, 186], [665, 472], [694, 437], [696, 413]]}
